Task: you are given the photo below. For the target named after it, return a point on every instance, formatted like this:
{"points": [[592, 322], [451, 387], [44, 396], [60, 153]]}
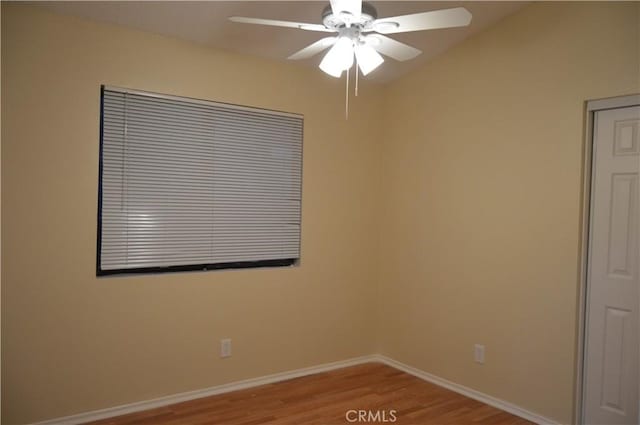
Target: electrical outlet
{"points": [[478, 353], [225, 347]]}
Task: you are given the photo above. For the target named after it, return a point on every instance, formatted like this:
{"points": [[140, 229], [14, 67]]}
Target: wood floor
{"points": [[330, 398]]}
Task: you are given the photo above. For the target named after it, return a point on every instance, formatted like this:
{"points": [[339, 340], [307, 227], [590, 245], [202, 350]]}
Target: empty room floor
{"points": [[334, 397]]}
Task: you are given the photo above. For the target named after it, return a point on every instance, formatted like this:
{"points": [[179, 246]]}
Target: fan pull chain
{"points": [[346, 103], [357, 73]]}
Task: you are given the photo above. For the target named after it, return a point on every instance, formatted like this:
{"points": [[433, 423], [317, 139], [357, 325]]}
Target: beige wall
{"points": [[475, 184], [482, 170], [72, 342]]}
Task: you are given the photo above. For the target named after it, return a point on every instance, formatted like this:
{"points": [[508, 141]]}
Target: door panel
{"points": [[616, 329], [613, 295], [622, 261]]}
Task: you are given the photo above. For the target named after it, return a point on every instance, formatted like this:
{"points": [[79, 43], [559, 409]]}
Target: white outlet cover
{"points": [[478, 353], [225, 347]]}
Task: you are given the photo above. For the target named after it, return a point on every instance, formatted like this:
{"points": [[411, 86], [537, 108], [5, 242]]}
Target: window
{"points": [[195, 185]]}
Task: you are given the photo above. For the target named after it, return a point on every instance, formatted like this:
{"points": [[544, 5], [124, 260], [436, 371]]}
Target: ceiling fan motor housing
{"points": [[336, 22]]}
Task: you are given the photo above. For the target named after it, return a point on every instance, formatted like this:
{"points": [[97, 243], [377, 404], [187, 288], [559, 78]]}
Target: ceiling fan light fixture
{"points": [[338, 58], [368, 58], [328, 69]]}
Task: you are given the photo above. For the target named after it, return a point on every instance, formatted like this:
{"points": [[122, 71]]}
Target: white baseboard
{"points": [[205, 392], [269, 379], [466, 391]]}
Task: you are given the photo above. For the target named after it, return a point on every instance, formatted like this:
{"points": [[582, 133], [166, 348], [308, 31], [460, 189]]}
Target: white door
{"points": [[612, 356]]}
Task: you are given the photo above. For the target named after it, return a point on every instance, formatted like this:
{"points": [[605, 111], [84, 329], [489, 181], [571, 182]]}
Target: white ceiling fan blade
{"points": [[313, 49], [352, 7], [446, 18], [275, 23], [392, 48]]}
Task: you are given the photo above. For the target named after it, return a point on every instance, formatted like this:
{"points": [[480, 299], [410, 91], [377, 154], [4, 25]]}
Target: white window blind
{"points": [[191, 185]]}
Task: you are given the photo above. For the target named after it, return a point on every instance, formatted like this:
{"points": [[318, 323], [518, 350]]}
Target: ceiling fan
{"points": [[361, 33]]}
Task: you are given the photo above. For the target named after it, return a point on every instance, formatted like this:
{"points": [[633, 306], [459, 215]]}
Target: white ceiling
{"points": [[206, 23]]}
